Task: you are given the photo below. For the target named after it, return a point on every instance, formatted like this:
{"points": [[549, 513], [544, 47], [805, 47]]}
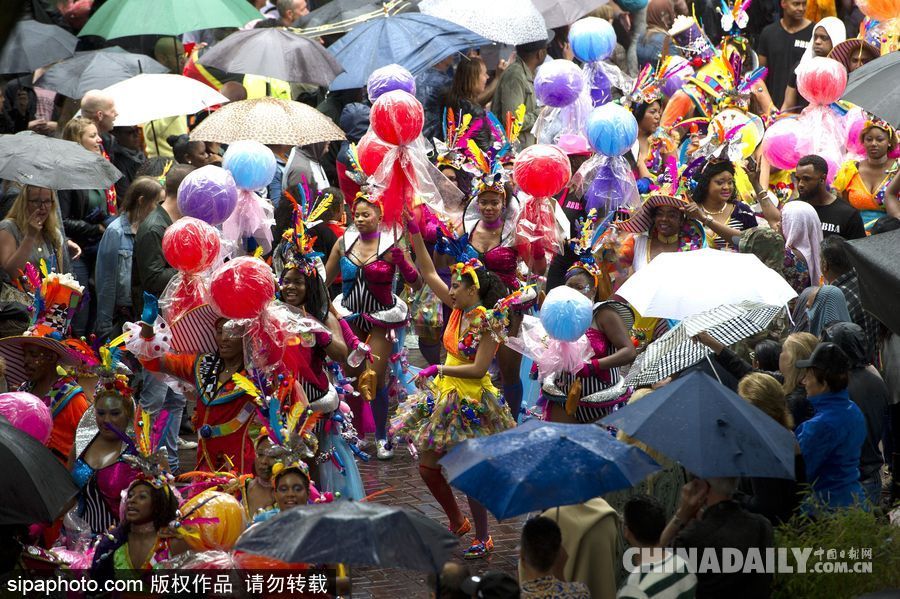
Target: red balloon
{"points": [[542, 170], [370, 150], [397, 117], [242, 288], [190, 245]]}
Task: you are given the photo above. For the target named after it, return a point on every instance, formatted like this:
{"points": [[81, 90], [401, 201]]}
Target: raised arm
{"points": [[426, 266]]}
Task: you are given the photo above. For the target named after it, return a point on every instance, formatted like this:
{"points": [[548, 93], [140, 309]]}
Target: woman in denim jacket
{"points": [[114, 256]]}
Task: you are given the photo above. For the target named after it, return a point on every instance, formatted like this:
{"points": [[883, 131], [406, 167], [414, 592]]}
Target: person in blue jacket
{"points": [[831, 441]]}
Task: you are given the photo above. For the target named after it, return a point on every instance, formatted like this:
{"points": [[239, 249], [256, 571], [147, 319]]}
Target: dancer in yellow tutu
{"points": [[461, 402]]}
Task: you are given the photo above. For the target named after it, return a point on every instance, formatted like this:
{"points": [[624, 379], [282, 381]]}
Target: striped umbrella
{"points": [[195, 331], [676, 350]]}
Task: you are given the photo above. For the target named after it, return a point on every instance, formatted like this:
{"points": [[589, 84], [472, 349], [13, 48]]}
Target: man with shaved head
{"points": [[100, 108]]}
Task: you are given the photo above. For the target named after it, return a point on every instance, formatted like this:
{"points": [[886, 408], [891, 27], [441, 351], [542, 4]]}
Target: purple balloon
{"points": [[558, 83], [208, 193], [27, 413], [390, 78]]}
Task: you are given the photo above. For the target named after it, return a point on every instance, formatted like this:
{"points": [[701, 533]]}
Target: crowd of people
{"points": [[137, 355]]}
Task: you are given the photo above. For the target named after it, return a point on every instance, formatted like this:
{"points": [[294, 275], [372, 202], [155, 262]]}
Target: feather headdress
{"points": [[150, 455], [296, 249], [452, 151]]}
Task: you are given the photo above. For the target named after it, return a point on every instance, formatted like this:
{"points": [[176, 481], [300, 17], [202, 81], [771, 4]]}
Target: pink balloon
{"points": [[832, 157], [784, 143], [856, 122], [27, 413], [821, 80]]}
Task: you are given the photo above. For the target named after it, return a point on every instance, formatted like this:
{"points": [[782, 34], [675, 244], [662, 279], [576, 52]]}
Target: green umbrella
{"points": [[123, 18]]}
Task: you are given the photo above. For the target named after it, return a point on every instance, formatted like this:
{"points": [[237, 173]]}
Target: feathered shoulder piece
{"points": [[452, 244]]}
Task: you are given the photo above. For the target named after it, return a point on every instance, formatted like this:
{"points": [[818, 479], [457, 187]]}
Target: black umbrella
{"points": [[877, 262], [31, 159], [353, 533], [874, 87], [274, 52], [97, 69], [36, 487], [339, 16], [32, 45]]}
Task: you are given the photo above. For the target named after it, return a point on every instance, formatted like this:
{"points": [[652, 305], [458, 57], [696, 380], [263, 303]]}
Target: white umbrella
{"points": [[146, 98], [511, 22], [680, 284], [558, 13]]}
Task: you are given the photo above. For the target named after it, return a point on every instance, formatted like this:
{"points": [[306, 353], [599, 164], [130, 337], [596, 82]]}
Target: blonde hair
{"points": [[18, 214], [75, 129], [764, 392], [798, 346]]}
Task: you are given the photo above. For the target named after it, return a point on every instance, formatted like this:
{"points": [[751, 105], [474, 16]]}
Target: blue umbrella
{"points": [[709, 429], [412, 40], [540, 465]]}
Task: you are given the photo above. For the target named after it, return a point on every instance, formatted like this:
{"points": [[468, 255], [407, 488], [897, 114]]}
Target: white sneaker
{"points": [[384, 452], [184, 444]]}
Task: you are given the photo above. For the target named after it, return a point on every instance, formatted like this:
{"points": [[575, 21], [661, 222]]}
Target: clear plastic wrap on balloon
{"points": [[192, 247], [822, 81], [549, 355], [541, 171], [241, 288], [403, 177], [558, 83], [27, 413], [785, 143], [250, 163], [611, 129], [607, 183], [208, 193], [252, 218], [564, 125], [854, 123], [389, 78], [566, 314]]}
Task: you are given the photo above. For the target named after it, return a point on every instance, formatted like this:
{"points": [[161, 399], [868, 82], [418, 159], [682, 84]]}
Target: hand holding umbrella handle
{"points": [[706, 339]]}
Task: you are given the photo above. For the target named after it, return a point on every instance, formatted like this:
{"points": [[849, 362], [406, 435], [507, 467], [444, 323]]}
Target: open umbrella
{"points": [[32, 45], [96, 69], [36, 487], [518, 471], [511, 22], [268, 121], [146, 98], [680, 284], [339, 16], [32, 159], [877, 263], [558, 13], [874, 87], [274, 52], [709, 429], [357, 533], [675, 351], [123, 18], [416, 43]]}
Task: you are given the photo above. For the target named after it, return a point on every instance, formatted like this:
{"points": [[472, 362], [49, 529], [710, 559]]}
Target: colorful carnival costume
{"points": [[223, 414], [337, 470], [455, 409], [367, 297], [56, 299]]}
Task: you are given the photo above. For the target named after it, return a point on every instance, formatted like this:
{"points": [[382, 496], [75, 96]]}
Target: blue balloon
{"points": [[592, 39], [632, 5], [611, 129], [250, 163], [566, 314], [558, 83]]}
